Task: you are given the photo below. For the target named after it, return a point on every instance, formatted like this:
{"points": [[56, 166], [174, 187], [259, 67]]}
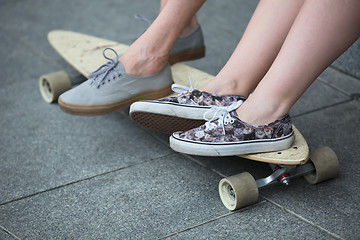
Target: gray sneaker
{"points": [[187, 48], [110, 89]]}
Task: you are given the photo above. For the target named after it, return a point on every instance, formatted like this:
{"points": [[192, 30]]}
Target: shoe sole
{"points": [[100, 109], [167, 117], [163, 123], [187, 55], [231, 149]]}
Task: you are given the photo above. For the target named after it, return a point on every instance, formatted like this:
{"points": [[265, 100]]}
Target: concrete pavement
{"points": [[104, 177]]}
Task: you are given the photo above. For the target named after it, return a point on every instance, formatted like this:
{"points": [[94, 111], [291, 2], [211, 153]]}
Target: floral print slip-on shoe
{"points": [[180, 112], [225, 135]]}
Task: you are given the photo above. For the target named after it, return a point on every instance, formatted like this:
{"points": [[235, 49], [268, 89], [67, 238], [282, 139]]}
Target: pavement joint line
{"points": [[213, 220], [191, 158], [343, 72], [8, 232], [30, 48], [323, 108], [82, 180], [334, 87], [303, 219]]}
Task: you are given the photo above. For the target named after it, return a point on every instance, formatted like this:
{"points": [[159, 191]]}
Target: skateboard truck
{"points": [[283, 173]]}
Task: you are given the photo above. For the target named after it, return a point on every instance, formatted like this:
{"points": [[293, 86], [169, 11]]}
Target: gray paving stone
{"points": [[333, 204], [110, 19], [349, 62], [5, 236], [340, 81], [145, 201], [42, 147], [319, 95], [261, 222]]}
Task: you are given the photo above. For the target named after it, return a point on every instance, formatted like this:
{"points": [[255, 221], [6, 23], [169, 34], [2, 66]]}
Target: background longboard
{"points": [[84, 53]]}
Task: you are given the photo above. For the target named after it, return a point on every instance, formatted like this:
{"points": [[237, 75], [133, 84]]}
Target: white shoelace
{"points": [[178, 88], [221, 113]]}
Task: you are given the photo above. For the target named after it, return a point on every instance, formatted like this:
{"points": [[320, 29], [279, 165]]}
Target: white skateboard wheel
{"points": [[238, 191], [53, 85], [326, 165]]}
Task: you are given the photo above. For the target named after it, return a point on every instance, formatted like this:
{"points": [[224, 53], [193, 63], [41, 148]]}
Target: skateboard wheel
{"points": [[326, 165], [53, 85], [238, 191]]}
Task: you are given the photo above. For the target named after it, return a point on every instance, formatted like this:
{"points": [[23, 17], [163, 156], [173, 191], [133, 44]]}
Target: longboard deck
{"points": [[84, 53]]}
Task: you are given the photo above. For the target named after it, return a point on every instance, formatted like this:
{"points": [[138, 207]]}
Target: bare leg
{"points": [[149, 53], [190, 26], [257, 48], [322, 31]]}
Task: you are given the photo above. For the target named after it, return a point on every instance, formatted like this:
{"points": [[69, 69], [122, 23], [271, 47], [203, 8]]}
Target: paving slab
{"points": [[319, 95], [66, 176], [146, 201], [349, 61], [112, 19], [42, 147], [340, 81], [5, 236], [274, 223]]}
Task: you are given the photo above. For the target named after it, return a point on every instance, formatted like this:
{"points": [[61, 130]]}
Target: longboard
{"points": [[84, 53]]}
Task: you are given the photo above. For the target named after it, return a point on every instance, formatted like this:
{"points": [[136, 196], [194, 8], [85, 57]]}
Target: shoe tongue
{"points": [[120, 66], [233, 114]]}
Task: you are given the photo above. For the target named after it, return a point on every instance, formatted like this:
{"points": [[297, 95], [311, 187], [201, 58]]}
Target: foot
{"points": [[110, 89], [180, 112], [228, 135]]}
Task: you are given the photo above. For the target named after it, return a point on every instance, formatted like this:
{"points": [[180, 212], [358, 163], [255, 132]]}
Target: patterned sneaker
{"points": [[110, 89], [187, 48], [225, 135], [180, 112]]}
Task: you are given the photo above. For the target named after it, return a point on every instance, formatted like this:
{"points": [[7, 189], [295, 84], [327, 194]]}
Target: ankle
{"points": [[190, 27], [225, 87], [143, 62], [259, 113]]}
